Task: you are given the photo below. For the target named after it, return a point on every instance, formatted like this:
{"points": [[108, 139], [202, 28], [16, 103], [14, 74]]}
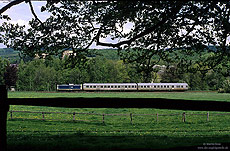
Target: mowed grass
{"points": [[117, 132], [189, 95]]}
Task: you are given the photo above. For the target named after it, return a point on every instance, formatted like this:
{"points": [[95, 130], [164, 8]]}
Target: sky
{"points": [[21, 14]]}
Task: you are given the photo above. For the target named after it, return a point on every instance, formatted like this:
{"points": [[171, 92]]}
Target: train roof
{"points": [[109, 84], [135, 83], [162, 83], [68, 84]]}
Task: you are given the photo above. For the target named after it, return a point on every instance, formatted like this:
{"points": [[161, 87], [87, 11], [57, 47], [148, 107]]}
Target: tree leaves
{"points": [[158, 27]]}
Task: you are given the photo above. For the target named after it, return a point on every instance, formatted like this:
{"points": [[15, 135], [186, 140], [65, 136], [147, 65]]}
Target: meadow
{"points": [[188, 95], [117, 132]]}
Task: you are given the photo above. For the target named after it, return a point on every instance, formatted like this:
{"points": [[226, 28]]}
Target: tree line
{"points": [[45, 74]]}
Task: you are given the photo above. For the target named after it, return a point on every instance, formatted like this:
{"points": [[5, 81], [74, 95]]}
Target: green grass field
{"points": [[117, 132], [211, 96]]}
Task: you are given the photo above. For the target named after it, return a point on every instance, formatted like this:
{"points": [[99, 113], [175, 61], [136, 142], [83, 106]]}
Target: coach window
{"points": [[87, 86], [161, 86], [186, 86], [101, 86], [129, 86], [167, 86], [164, 86], [154, 86], [105, 86], [94, 86], [158, 86], [181, 86], [90, 86], [172, 86], [111, 86], [115, 86], [119, 86]]}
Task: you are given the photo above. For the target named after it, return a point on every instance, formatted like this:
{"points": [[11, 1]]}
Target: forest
{"points": [[106, 66]]}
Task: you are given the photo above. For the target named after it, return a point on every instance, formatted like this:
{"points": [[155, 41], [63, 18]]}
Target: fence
{"points": [[131, 116]]}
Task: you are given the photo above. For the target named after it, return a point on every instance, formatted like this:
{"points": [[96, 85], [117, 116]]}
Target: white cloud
{"points": [[2, 45], [128, 26], [228, 41], [94, 46], [20, 22], [39, 7]]}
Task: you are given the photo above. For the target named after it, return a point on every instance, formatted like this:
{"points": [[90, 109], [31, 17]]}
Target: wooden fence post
{"points": [[4, 108], [183, 117], [74, 116], [103, 118], [131, 118], [208, 116]]}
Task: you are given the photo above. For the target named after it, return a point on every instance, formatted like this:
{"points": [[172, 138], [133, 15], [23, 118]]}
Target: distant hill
{"points": [[13, 56], [10, 54], [110, 54]]}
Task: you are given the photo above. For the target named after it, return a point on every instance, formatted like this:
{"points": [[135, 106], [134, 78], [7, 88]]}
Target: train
{"points": [[124, 87]]}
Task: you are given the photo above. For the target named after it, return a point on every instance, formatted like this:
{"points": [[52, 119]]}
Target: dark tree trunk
{"points": [[4, 108]]}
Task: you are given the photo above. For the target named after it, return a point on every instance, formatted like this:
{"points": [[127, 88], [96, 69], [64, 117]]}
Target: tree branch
{"points": [[147, 31], [16, 2], [33, 12], [90, 42], [175, 10]]}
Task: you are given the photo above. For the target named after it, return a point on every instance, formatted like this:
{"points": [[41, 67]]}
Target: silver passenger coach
{"points": [[110, 86], [162, 86]]}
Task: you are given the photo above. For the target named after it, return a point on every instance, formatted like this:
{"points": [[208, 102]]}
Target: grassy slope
{"points": [[117, 132]]}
